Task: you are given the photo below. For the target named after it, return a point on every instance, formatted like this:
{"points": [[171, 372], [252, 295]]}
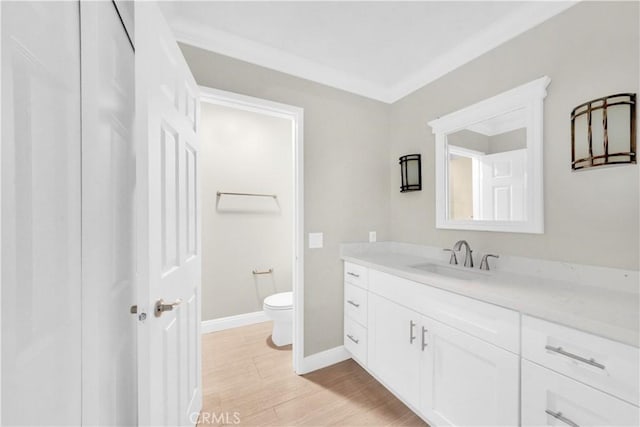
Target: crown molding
{"points": [[506, 29], [246, 50], [227, 44]]}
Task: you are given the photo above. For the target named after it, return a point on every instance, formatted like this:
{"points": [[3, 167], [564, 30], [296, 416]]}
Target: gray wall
{"points": [[469, 139], [508, 141], [243, 151], [591, 217], [346, 173], [512, 140]]}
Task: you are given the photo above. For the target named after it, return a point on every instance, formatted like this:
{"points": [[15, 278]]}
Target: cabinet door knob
{"points": [[356, 305], [412, 337], [353, 339], [558, 416], [424, 340], [561, 351]]}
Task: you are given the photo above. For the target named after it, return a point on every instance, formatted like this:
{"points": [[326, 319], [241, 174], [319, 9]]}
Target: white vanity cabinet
{"points": [[570, 377], [448, 375], [421, 346], [552, 399], [355, 311], [604, 364], [458, 361], [466, 381], [394, 347]]}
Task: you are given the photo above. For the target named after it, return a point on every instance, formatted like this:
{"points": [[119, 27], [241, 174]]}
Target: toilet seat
{"points": [[280, 301]]}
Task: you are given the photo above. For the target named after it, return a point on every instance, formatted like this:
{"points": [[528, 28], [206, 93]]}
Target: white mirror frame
{"points": [[530, 97]]}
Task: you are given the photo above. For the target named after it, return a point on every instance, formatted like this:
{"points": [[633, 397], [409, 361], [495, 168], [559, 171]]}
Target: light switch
{"points": [[315, 240], [372, 236]]}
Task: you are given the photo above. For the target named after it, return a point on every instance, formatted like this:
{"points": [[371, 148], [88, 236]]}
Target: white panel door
{"points": [[108, 216], [552, 399], [502, 185], [169, 222], [466, 381], [393, 347], [41, 305]]}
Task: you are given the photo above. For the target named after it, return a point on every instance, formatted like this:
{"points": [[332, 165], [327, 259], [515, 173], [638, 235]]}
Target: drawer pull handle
{"points": [[560, 417], [559, 350], [424, 341], [353, 274], [412, 337], [356, 305], [353, 339]]}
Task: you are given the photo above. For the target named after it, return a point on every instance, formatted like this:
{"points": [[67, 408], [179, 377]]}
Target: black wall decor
{"points": [[411, 173], [603, 132]]}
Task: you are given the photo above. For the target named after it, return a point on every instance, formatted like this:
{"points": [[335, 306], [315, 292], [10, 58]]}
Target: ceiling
{"points": [[382, 50]]}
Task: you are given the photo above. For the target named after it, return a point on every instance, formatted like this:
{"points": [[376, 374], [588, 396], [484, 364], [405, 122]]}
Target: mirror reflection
{"points": [[487, 169]]}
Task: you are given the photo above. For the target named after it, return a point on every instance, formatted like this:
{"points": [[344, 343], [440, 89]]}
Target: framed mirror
{"points": [[488, 161]]}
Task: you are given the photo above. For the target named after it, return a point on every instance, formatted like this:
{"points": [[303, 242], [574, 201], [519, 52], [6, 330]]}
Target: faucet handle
{"points": [[454, 259], [484, 264]]}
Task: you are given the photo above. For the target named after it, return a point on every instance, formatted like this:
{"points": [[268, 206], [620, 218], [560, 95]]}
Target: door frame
{"points": [[296, 115], [474, 155], [1, 205]]}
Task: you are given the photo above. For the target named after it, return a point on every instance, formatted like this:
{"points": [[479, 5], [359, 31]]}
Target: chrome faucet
{"points": [[468, 258], [484, 264], [453, 259]]}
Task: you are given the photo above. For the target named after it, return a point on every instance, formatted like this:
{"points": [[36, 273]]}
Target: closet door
{"points": [[108, 234], [41, 315]]}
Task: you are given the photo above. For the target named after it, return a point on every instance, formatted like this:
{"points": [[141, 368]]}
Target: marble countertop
{"points": [[612, 313]]}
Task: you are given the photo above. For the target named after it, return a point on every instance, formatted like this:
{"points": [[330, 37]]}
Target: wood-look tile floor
{"points": [[248, 381]]}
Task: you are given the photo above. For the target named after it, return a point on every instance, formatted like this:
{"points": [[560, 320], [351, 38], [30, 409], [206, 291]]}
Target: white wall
{"points": [[247, 152], [591, 217]]}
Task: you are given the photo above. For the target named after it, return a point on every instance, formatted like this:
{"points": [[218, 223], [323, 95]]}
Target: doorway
{"points": [[230, 203]]}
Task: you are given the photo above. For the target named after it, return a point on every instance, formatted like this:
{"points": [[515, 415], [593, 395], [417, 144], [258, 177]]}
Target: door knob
{"points": [[161, 307]]}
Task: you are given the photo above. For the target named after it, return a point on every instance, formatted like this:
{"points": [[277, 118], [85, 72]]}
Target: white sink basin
{"points": [[462, 273]]}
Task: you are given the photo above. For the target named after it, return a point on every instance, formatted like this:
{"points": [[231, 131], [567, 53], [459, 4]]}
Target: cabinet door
{"points": [[551, 399], [393, 354], [466, 381]]}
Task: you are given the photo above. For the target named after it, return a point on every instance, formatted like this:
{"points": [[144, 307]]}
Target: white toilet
{"points": [[279, 308]]}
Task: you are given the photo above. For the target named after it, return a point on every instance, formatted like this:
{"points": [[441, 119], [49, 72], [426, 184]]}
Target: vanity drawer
{"points": [[551, 399], [356, 274], [355, 339], [604, 364], [496, 325], [355, 303]]}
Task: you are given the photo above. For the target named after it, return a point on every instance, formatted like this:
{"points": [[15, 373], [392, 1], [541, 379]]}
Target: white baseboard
{"points": [[323, 359], [223, 323]]}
